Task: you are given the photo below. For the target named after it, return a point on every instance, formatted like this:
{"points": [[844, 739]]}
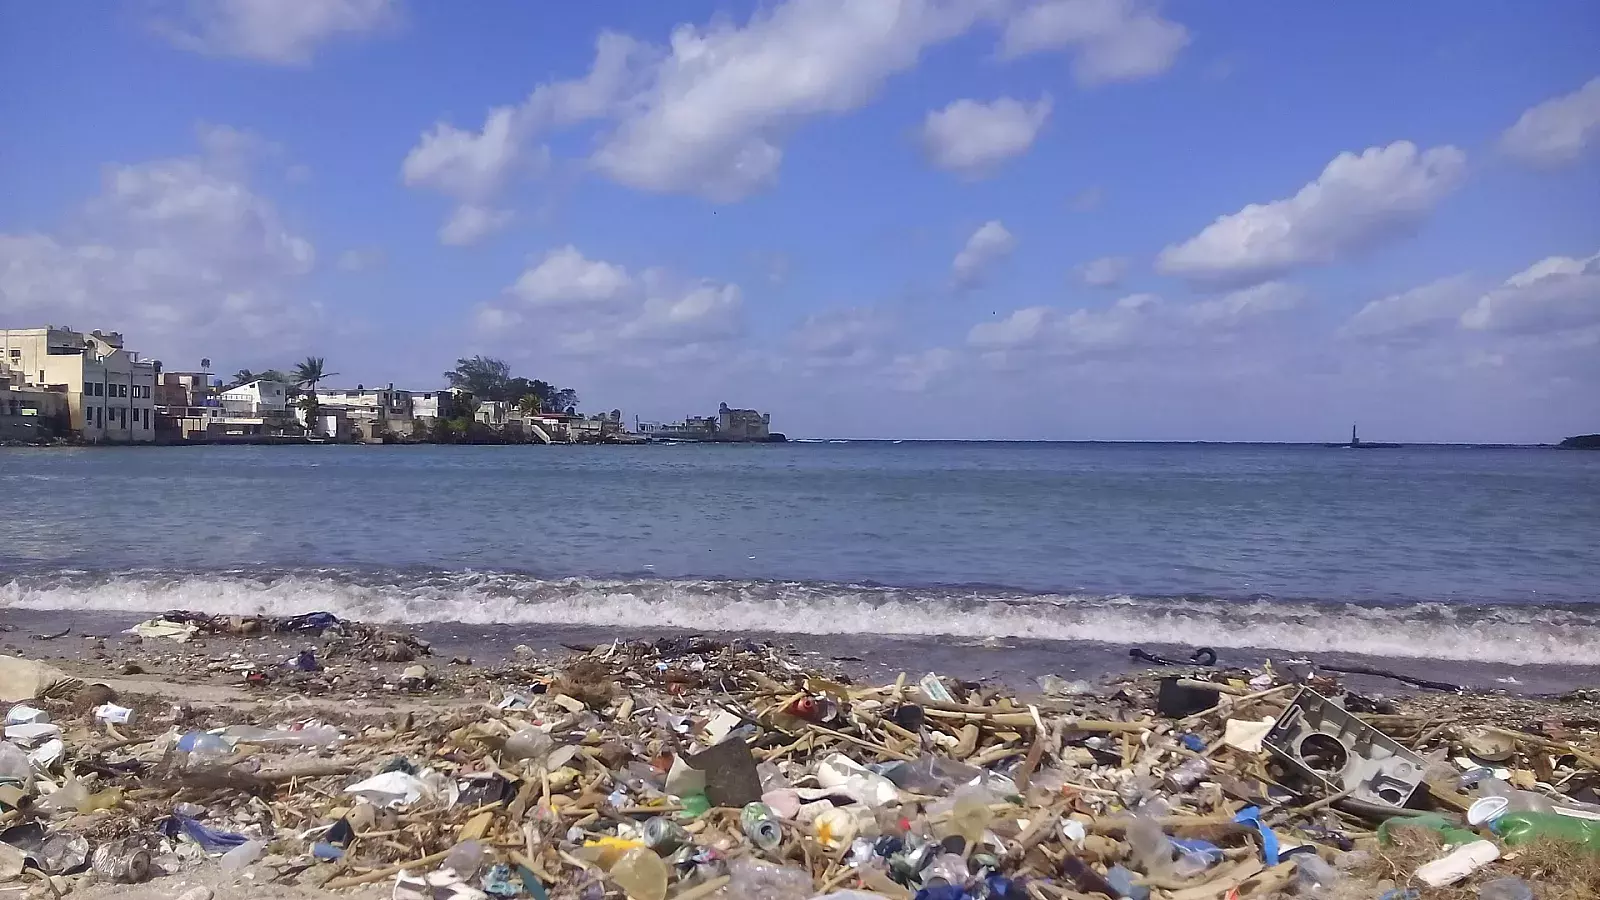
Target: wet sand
{"points": [[1016, 663]]}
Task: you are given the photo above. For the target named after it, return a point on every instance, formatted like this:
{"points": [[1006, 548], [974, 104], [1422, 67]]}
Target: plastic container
{"points": [[15, 767], [970, 815], [1457, 864], [641, 874], [752, 880], [313, 736]]}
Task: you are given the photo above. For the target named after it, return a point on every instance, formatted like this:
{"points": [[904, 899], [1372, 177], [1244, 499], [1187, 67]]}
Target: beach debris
{"points": [[700, 769]]}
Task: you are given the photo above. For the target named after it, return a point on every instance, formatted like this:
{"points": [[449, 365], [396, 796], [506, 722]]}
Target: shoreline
{"points": [[1015, 663]]}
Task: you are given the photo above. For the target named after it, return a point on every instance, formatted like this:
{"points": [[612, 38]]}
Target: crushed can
{"points": [[664, 836], [121, 863], [761, 825]]}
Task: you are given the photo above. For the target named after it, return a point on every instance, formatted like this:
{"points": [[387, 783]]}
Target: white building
{"points": [[257, 398], [110, 391]]}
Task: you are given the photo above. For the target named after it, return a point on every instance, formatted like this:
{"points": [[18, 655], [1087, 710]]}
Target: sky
{"points": [[1007, 219]]}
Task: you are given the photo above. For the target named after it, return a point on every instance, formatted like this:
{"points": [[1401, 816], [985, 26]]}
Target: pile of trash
{"points": [[340, 637], [692, 768]]}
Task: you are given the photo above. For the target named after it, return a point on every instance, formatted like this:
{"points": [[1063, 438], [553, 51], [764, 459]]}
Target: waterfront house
{"points": [[374, 413], [110, 391], [31, 413]]}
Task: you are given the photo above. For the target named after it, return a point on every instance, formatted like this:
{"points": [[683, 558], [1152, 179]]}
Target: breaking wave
{"points": [[1509, 634]]}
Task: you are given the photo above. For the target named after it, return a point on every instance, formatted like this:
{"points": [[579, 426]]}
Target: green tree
{"points": [[484, 377], [313, 411], [243, 376], [530, 405]]}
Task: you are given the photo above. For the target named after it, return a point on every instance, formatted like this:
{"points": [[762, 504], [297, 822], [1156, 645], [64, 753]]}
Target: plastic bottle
{"points": [[1517, 828], [641, 874], [1313, 874], [970, 816], [1509, 888], [15, 767], [202, 749], [1516, 800], [815, 709], [529, 743], [242, 857], [1186, 776], [1449, 829], [752, 880]]}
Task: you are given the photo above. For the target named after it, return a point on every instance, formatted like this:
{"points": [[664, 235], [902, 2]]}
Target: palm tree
{"points": [[243, 376], [309, 372], [529, 405]]}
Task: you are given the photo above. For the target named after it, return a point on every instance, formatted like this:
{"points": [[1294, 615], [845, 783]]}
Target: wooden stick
{"points": [[380, 874]]}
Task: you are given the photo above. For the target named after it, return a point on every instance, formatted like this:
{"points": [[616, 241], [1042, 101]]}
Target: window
{"points": [[147, 418], [122, 390], [16, 355]]}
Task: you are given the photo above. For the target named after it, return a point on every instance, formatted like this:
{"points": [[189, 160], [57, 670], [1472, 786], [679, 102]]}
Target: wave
{"points": [[1516, 635]]}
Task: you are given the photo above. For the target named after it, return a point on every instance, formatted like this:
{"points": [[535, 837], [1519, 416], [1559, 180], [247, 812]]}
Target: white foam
{"points": [[1498, 634]]}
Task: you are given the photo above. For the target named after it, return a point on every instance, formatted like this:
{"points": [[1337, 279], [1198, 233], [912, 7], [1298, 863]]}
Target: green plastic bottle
{"points": [[1517, 828], [1447, 829]]}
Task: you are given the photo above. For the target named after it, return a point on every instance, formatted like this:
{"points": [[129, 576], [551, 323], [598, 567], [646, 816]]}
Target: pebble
{"points": [[196, 893]]}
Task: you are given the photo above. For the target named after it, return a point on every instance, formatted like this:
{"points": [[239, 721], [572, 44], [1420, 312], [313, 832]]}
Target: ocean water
{"points": [[1455, 554]]}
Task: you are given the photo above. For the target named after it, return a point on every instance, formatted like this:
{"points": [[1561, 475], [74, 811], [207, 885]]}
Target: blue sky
{"points": [[1066, 219]]}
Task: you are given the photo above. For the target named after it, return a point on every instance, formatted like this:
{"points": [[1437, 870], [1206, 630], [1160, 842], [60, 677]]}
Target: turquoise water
{"points": [[1447, 552]]}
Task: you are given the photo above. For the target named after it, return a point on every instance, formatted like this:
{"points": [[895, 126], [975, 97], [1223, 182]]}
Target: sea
{"points": [[1008, 559]]}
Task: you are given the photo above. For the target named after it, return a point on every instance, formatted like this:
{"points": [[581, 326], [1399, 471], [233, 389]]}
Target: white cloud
{"points": [[469, 224], [1558, 130], [973, 138], [593, 307], [843, 337], [1356, 203], [719, 103], [281, 32], [1107, 271], [1112, 40], [1239, 307], [565, 276], [474, 168], [1134, 322], [1555, 294], [178, 252], [362, 259], [987, 246], [1431, 308]]}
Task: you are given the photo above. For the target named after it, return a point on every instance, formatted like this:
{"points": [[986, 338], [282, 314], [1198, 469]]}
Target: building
{"points": [[727, 426], [256, 398], [31, 413], [374, 414], [428, 406], [110, 391], [179, 390], [742, 424]]}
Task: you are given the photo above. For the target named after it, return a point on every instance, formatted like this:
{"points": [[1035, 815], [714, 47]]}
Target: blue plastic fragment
{"points": [[498, 881], [209, 839], [1211, 853], [1193, 742], [943, 892], [326, 852], [1409, 893], [1251, 815]]}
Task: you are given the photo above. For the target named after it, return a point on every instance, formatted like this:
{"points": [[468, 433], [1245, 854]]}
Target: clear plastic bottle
{"points": [[464, 859], [1187, 775], [15, 767], [641, 874], [752, 880], [529, 743], [1509, 888], [235, 861]]}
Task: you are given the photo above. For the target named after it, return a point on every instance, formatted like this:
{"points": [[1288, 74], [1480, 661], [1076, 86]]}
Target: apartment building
{"points": [[110, 391]]}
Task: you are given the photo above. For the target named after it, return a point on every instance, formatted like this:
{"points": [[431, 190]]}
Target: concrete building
{"points": [[373, 413], [428, 406], [742, 424], [31, 413], [110, 391], [257, 398]]}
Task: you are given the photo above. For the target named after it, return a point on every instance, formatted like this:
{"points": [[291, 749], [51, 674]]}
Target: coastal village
{"points": [[58, 385]]}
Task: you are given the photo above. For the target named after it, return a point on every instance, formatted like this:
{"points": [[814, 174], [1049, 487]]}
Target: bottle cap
{"points": [[1487, 809]]}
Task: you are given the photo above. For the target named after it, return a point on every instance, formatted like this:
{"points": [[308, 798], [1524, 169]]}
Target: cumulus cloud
{"points": [[279, 32], [1134, 322], [1558, 293], [475, 167], [987, 246], [592, 307], [917, 371], [972, 138], [565, 276], [1557, 131], [1355, 204], [1107, 271], [178, 252], [1111, 40], [1239, 307], [1416, 313]]}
